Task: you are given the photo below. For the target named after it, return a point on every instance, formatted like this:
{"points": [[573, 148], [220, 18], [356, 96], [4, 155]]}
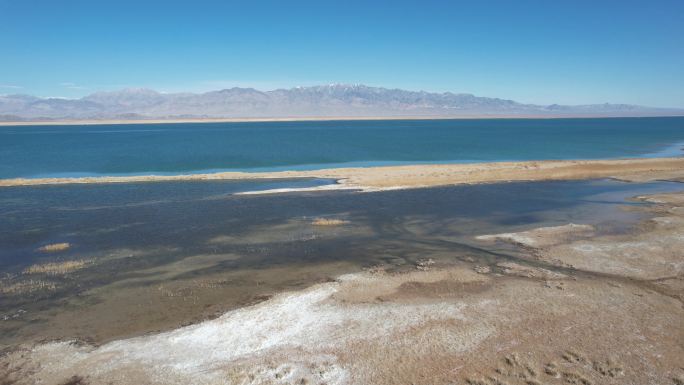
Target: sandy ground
{"points": [[413, 176], [577, 308], [655, 253]]}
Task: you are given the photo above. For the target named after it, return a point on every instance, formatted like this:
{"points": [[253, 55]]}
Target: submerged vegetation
{"points": [[30, 282], [10, 287], [58, 268]]}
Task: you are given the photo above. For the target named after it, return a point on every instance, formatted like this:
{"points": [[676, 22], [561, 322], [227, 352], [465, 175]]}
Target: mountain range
{"points": [[337, 100]]}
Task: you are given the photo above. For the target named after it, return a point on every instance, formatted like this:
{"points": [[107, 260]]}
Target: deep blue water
{"points": [[40, 151]]}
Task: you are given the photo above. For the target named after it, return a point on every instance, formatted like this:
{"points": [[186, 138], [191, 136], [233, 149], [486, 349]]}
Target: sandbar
{"points": [[428, 175]]}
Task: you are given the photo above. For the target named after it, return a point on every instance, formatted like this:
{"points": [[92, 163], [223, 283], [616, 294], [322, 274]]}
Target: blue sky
{"points": [[568, 52]]}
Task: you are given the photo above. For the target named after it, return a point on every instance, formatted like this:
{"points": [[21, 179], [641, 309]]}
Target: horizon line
{"points": [[104, 122]]}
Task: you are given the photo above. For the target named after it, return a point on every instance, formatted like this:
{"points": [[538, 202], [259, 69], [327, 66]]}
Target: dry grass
{"points": [[328, 222], [55, 247], [25, 287], [58, 268]]}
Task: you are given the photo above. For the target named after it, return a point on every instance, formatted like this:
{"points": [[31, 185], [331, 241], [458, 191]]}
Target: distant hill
{"points": [[335, 100]]}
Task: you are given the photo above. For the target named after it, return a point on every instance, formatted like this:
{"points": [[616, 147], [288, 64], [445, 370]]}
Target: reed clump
{"points": [[58, 268], [328, 222], [26, 286], [54, 247]]}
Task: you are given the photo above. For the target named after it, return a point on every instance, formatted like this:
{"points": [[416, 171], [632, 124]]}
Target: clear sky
{"points": [[546, 51]]}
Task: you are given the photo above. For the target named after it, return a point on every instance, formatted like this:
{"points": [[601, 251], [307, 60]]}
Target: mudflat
{"points": [[576, 307]]}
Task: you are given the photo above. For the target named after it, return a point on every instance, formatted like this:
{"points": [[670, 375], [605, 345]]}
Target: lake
{"points": [[139, 149]]}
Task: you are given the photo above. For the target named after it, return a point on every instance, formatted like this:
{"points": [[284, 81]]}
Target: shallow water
{"points": [[158, 255], [49, 151]]}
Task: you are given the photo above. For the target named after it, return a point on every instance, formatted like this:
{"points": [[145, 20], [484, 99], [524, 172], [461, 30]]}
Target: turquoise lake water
{"points": [[127, 149]]}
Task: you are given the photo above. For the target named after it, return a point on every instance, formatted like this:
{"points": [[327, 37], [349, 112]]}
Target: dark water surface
{"points": [[95, 218], [133, 149]]}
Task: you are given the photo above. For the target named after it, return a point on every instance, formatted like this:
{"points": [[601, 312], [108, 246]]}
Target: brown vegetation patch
{"points": [[328, 222], [58, 268], [26, 287], [54, 247]]}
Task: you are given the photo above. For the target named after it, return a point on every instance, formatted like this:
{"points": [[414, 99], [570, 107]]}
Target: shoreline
{"points": [[420, 176], [94, 122]]}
